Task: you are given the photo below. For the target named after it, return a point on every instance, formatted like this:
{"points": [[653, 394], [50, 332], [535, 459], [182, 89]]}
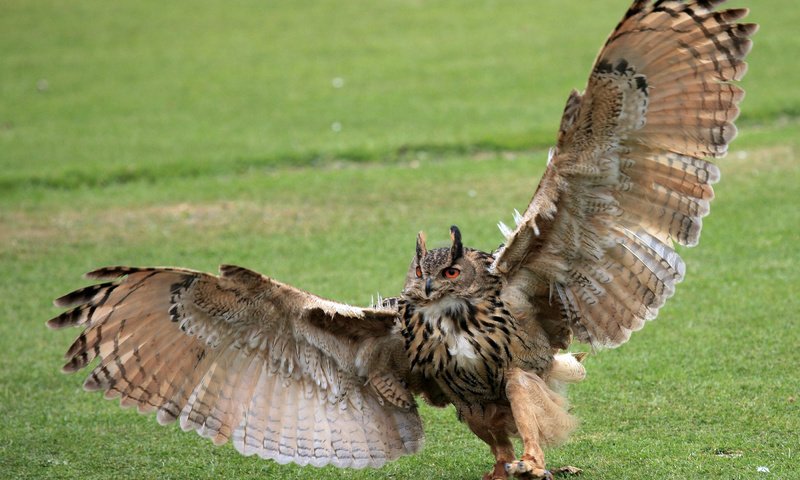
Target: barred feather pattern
{"points": [[629, 175], [296, 378], [284, 374]]}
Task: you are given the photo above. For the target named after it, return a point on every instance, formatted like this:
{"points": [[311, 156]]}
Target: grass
{"points": [[143, 90], [197, 135]]}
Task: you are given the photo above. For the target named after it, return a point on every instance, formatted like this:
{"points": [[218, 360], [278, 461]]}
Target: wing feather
{"points": [[628, 177], [283, 373], [248, 438]]}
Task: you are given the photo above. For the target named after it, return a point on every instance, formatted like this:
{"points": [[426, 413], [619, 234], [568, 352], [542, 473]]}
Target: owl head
{"points": [[440, 273]]}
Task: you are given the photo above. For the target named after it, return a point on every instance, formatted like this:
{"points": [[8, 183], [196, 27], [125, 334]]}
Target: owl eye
{"points": [[451, 273], [419, 272]]}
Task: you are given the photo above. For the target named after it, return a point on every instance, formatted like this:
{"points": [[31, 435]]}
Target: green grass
{"points": [[147, 89], [198, 134]]}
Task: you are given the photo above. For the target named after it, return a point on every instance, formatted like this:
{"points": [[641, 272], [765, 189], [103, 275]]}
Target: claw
{"points": [[523, 469], [517, 468]]}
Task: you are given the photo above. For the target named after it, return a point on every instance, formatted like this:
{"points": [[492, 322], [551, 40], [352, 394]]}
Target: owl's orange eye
{"points": [[419, 272], [451, 273]]}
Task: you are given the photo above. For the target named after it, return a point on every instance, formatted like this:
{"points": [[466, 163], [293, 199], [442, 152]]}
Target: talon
{"points": [[524, 469], [516, 468]]}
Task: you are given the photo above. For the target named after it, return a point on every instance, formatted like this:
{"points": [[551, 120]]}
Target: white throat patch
{"points": [[457, 341]]}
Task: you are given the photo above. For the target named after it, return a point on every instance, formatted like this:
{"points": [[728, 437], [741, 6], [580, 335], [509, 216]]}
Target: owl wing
{"points": [[594, 249], [285, 374]]}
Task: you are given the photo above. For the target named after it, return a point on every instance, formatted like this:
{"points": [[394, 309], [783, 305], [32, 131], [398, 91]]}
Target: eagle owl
{"points": [[293, 377]]}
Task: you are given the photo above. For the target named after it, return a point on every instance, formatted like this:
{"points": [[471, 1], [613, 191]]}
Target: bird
{"points": [[289, 376]]}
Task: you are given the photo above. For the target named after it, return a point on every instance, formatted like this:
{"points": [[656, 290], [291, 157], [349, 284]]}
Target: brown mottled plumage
{"points": [[284, 374], [296, 378]]}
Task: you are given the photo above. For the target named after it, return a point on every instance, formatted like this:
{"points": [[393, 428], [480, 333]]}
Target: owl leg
{"points": [[488, 427], [525, 395], [499, 471]]}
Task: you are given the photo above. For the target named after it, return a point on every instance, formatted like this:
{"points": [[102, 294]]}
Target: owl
{"points": [[292, 377]]}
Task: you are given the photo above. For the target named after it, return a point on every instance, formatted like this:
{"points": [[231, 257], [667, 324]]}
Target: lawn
{"points": [[311, 141]]}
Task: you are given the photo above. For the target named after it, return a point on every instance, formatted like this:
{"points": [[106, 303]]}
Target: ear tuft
{"points": [[421, 249], [457, 249]]}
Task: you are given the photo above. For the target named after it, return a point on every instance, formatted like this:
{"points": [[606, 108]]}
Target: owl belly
{"points": [[452, 344]]}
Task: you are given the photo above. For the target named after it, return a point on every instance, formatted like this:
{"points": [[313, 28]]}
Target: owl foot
{"points": [[492, 476], [527, 470], [499, 472]]}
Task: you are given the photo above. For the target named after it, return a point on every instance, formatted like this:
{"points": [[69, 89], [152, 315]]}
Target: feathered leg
{"points": [[490, 424], [529, 405], [503, 454]]}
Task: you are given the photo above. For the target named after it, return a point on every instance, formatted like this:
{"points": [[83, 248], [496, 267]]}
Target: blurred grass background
{"points": [[311, 141], [95, 92]]}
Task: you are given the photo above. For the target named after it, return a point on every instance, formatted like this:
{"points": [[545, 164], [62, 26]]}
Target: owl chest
{"points": [[461, 348]]}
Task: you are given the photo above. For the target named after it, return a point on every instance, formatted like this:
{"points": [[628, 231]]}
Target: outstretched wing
{"points": [[594, 250], [285, 374]]}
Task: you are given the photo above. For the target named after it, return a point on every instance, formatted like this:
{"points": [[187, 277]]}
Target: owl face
{"points": [[442, 272]]}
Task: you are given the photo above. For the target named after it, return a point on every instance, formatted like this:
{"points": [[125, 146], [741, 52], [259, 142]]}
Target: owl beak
{"points": [[428, 286]]}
